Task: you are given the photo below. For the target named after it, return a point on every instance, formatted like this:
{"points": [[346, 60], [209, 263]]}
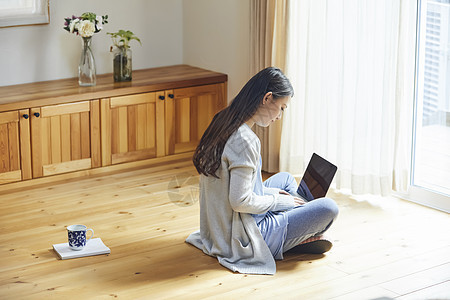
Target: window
{"points": [[431, 150], [23, 12]]}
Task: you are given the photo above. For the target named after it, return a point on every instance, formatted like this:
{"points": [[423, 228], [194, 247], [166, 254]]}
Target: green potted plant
{"points": [[122, 54]]}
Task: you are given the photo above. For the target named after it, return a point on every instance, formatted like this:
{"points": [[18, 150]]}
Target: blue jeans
{"points": [[305, 221]]}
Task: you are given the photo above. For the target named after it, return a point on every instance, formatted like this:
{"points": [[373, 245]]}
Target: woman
{"points": [[246, 223]]}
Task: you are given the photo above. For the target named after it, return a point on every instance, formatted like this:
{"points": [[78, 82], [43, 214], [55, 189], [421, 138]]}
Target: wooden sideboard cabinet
{"points": [[54, 127], [188, 112], [65, 137], [132, 128], [15, 152]]}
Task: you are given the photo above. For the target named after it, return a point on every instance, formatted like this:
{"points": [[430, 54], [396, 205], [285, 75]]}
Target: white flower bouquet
{"points": [[86, 25]]}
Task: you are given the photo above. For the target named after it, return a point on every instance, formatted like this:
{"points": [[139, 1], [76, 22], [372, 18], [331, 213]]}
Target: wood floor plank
{"points": [[371, 277], [438, 291], [145, 214], [373, 292], [420, 280]]}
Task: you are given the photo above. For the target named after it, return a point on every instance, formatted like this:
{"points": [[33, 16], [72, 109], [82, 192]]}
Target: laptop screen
{"points": [[317, 178]]}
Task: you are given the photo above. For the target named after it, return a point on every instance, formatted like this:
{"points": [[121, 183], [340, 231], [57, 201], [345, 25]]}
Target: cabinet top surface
{"points": [[67, 90]]}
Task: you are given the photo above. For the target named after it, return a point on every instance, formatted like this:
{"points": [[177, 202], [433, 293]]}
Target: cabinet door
{"points": [[65, 138], [132, 128], [15, 157], [188, 113]]}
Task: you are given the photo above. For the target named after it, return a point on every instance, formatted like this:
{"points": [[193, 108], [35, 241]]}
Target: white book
{"points": [[93, 247]]}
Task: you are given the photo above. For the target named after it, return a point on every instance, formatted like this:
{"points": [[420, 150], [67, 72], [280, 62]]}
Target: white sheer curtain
{"points": [[352, 66]]}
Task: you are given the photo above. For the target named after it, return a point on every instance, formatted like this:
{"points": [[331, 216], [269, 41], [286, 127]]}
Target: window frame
{"points": [[40, 16], [417, 193]]}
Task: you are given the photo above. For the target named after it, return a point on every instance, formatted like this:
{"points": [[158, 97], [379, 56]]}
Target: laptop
{"points": [[317, 178]]}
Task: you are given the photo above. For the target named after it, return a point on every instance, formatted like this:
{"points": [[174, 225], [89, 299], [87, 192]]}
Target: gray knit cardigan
{"points": [[228, 231]]}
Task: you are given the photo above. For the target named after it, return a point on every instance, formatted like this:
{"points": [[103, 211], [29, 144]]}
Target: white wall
{"points": [[46, 52], [212, 34], [216, 36]]}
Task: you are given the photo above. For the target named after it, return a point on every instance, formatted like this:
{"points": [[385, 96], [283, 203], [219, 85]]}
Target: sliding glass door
{"points": [[430, 177]]}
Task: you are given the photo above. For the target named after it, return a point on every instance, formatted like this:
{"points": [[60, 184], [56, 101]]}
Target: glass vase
{"points": [[122, 64], [86, 67]]}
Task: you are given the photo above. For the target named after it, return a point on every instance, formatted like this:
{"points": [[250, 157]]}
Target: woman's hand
{"points": [[297, 201]]}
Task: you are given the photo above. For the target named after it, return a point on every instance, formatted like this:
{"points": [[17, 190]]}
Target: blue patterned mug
{"points": [[77, 236]]}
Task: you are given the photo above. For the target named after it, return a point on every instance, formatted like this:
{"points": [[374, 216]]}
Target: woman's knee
{"points": [[329, 207], [281, 177], [286, 175], [288, 179], [282, 180]]}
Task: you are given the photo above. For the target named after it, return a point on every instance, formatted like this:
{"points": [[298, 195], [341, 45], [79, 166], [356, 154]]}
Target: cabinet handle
{"points": [[36, 114], [161, 97], [171, 96], [25, 116]]}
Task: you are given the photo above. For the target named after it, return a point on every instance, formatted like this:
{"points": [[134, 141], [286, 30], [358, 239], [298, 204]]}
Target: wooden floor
{"points": [[383, 248]]}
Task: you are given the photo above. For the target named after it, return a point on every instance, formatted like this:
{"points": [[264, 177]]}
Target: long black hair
{"points": [[208, 154]]}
